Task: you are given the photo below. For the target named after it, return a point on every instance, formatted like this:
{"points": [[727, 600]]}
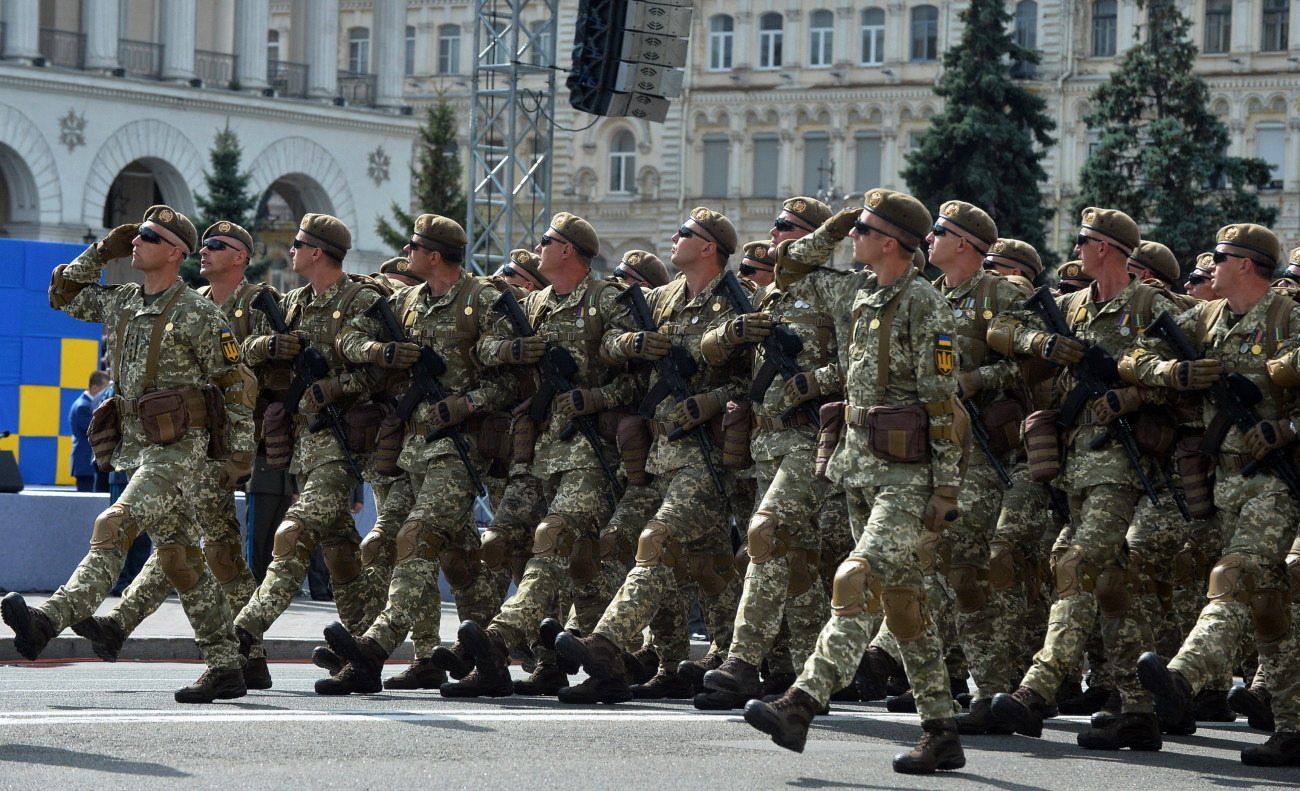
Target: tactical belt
{"points": [[857, 415], [1234, 462], [660, 428], [194, 404], [776, 423]]}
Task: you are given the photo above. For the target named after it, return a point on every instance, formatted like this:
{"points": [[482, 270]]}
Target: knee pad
{"points": [[607, 545], [1075, 573], [181, 565], [1004, 574], [767, 539], [553, 537], [971, 586], [1271, 612], [803, 570], [1186, 565], [1114, 598], [849, 589], [292, 540], [496, 548], [583, 565], [710, 572], [903, 613], [114, 529], [416, 540], [656, 546], [225, 560], [1230, 580], [460, 567], [1293, 574], [741, 560], [374, 546], [343, 561], [934, 553]]}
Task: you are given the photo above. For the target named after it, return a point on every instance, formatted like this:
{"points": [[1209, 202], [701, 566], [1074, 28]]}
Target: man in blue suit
{"points": [[83, 461]]}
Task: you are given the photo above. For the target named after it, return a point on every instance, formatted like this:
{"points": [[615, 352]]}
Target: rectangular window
{"points": [[542, 44], [359, 51], [767, 155], [449, 49], [1270, 146], [1105, 21], [866, 170], [717, 155], [821, 39], [721, 40], [1277, 18], [1218, 26], [409, 67], [817, 175], [873, 45]]}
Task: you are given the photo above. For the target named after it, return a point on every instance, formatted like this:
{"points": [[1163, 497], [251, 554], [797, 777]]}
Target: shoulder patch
{"points": [[944, 356], [229, 347]]}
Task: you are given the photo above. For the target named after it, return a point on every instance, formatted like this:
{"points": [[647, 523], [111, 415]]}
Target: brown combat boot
{"points": [[456, 660], [1134, 730], [323, 656], [420, 674], [364, 655], [694, 670], [901, 704], [1021, 710], [1087, 702], [736, 676], [347, 682], [874, 671], [1256, 704], [785, 719], [213, 685], [256, 673], [981, 721], [490, 677], [546, 679], [720, 701], [664, 686], [777, 684], [32, 628], [1211, 705], [104, 634], [939, 748], [647, 665], [603, 661], [1172, 692], [1281, 749]]}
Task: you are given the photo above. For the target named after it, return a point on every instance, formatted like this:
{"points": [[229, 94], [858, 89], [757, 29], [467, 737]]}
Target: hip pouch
{"points": [[737, 423], [214, 404], [1154, 430], [1194, 469], [388, 446], [493, 435], [277, 436], [105, 432], [831, 417], [1043, 445], [523, 433], [1002, 420], [634, 448], [361, 425], [898, 434], [164, 416]]}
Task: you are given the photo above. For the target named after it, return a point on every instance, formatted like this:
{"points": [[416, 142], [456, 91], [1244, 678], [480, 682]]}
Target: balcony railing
{"points": [[357, 89], [63, 48], [140, 58], [288, 79], [216, 69]]}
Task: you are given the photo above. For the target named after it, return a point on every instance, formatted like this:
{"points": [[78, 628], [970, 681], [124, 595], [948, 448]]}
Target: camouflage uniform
{"points": [[195, 347], [886, 501]]}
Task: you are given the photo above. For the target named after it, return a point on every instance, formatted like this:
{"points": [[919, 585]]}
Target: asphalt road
{"points": [[89, 725]]}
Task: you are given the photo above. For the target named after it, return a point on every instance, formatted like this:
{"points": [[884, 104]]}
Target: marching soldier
{"points": [[1199, 279]]}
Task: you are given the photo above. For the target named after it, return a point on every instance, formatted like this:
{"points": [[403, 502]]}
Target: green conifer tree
{"points": [[436, 183], [228, 199]]}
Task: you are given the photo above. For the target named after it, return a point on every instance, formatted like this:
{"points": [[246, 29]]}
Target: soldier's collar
{"points": [[155, 302], [883, 294]]}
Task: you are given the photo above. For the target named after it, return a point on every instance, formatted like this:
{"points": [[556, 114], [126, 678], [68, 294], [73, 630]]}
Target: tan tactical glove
{"points": [[576, 403], [969, 383], [1114, 404], [278, 347], [802, 387], [644, 345], [117, 242], [325, 392], [238, 467], [1192, 374], [842, 222], [451, 411], [749, 328], [393, 355], [941, 510], [699, 408], [1057, 349], [522, 351], [1269, 435]]}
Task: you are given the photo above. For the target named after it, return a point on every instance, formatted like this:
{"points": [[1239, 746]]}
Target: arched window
{"points": [[771, 32], [1105, 21], [925, 32], [359, 50], [449, 49], [721, 41], [821, 30], [873, 36], [1027, 37], [622, 163]]}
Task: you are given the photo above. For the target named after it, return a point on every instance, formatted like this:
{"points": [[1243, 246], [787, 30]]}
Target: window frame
{"points": [[722, 43], [821, 41], [622, 163], [1105, 30], [449, 49], [877, 31], [925, 32], [359, 50], [771, 42]]}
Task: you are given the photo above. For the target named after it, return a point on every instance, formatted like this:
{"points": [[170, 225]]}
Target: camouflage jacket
{"points": [[196, 347], [920, 367]]}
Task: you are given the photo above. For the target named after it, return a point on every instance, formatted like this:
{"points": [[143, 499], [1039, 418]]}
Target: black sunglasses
{"points": [[1219, 258], [685, 232], [785, 226], [545, 240], [1064, 288], [216, 244], [989, 263], [746, 270], [938, 230], [1197, 280], [1082, 241], [627, 273], [423, 247], [299, 243], [510, 271], [152, 237]]}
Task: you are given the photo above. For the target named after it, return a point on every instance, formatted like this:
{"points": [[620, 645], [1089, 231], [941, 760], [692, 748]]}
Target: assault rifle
{"points": [[981, 434], [1235, 396], [309, 367], [675, 370], [425, 387], [780, 350], [556, 369]]}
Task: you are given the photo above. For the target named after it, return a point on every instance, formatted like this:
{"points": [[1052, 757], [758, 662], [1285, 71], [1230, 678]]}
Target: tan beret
{"points": [[1204, 265], [1294, 258], [810, 210], [230, 232], [1159, 259], [440, 229], [577, 232], [761, 254], [527, 261], [1016, 253], [648, 266], [177, 224], [1072, 270], [1116, 226], [903, 212], [398, 266], [971, 219], [1253, 238], [333, 236], [717, 228]]}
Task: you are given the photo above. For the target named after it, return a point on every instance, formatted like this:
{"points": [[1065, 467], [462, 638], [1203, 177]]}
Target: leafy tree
{"points": [[1161, 156], [436, 184], [227, 198], [987, 145]]}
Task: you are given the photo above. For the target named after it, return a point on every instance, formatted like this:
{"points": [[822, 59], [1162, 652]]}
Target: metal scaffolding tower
{"points": [[512, 127]]}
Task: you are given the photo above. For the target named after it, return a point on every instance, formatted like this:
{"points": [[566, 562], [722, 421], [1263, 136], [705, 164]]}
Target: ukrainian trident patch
{"points": [[943, 354], [229, 346]]}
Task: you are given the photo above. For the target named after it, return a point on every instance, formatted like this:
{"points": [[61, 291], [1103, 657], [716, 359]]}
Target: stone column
{"points": [[22, 30], [178, 20], [320, 42], [898, 34], [100, 21], [388, 33], [252, 20]]}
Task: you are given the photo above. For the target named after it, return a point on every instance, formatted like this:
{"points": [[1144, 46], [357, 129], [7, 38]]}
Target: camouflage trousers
{"points": [[578, 498], [394, 499], [439, 534], [222, 549], [618, 545], [1101, 517], [321, 517], [1260, 517], [696, 521], [508, 540], [889, 521], [1191, 575], [793, 500], [159, 501]]}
